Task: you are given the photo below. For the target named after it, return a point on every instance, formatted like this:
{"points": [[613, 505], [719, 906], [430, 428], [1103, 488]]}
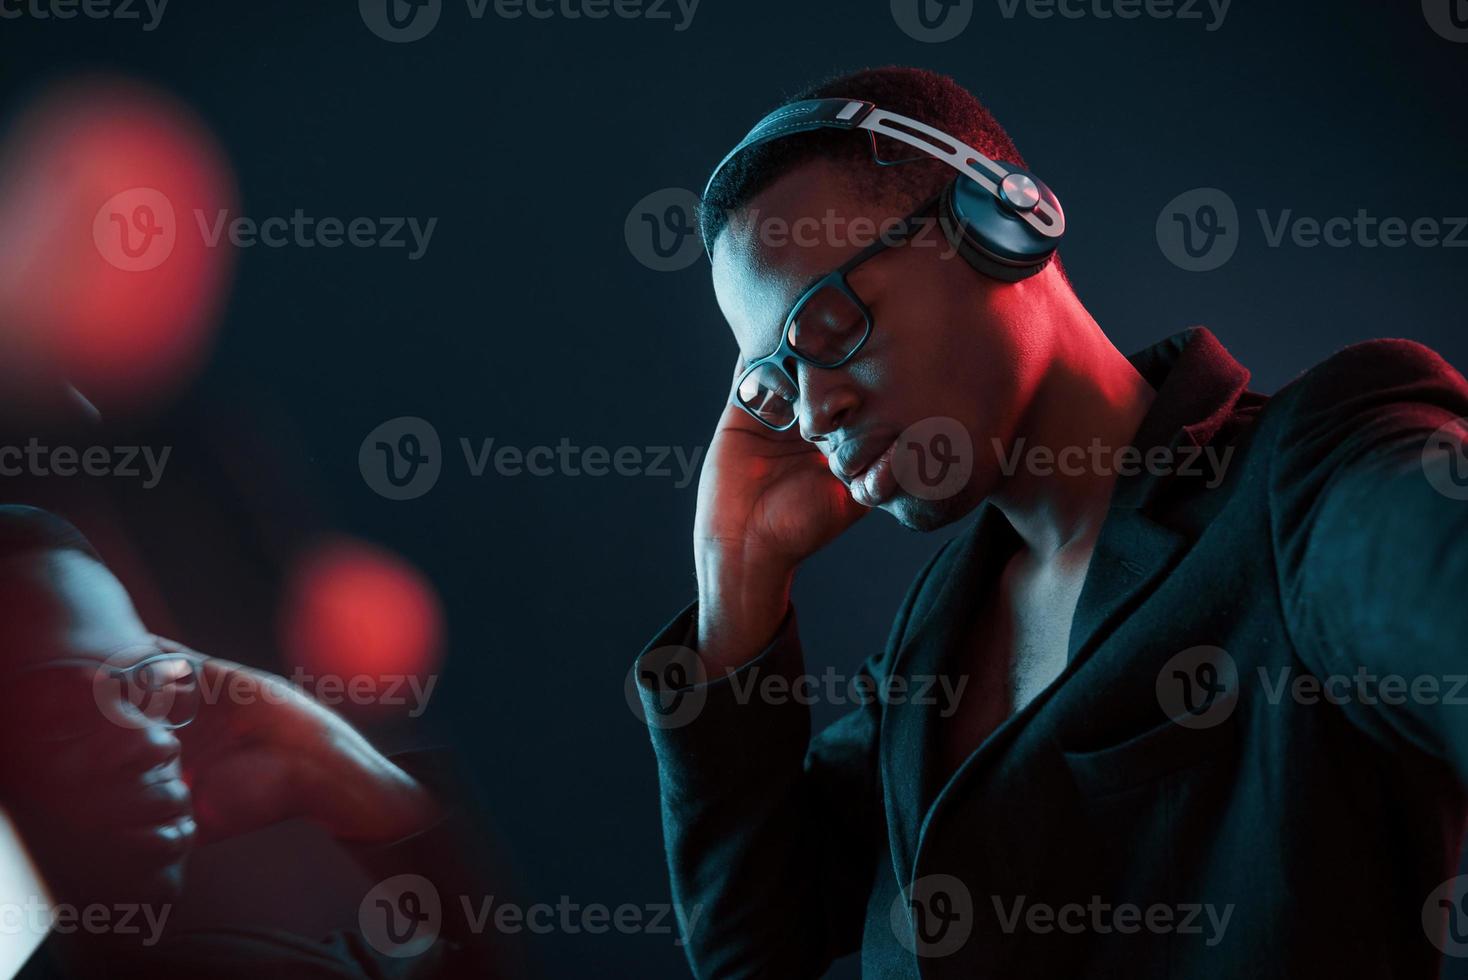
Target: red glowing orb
{"points": [[108, 283], [362, 624]]}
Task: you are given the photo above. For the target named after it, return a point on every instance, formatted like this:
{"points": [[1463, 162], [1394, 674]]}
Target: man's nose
{"points": [[828, 397]]}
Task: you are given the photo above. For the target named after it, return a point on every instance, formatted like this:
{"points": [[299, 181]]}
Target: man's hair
{"points": [[926, 96], [25, 529]]}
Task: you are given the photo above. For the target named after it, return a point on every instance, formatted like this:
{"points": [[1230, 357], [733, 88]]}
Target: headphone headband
{"points": [[1014, 188]]}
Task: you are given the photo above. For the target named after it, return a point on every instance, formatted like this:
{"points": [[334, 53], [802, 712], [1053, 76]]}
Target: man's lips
{"points": [[851, 459], [865, 467]]}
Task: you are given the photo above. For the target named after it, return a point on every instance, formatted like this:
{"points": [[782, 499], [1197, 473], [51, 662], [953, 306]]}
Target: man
{"points": [[1143, 778], [124, 747]]}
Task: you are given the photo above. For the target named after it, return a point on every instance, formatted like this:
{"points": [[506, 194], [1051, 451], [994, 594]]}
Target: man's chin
{"points": [[917, 514]]}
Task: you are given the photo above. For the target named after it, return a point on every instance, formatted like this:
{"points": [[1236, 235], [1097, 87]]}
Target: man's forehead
{"points": [[63, 603], [754, 290], [792, 232]]}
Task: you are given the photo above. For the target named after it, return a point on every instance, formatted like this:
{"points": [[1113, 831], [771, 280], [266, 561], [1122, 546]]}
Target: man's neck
{"points": [[1087, 404]]}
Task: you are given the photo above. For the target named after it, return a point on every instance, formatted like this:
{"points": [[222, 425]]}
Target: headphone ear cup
{"points": [[989, 235]]}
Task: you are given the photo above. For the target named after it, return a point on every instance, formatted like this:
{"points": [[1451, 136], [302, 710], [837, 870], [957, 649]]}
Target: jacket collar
{"points": [[1198, 387]]}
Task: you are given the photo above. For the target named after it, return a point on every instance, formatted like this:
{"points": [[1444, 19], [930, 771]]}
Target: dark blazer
{"points": [[1180, 802]]}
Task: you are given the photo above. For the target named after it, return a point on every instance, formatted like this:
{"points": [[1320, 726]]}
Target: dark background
{"points": [[530, 141]]}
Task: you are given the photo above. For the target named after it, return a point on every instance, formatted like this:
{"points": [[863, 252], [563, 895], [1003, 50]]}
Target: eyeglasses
{"points": [[71, 697], [828, 325]]}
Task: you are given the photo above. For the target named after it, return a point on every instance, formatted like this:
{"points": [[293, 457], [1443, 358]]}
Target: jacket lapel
{"points": [[911, 775], [1198, 385], [1131, 554]]}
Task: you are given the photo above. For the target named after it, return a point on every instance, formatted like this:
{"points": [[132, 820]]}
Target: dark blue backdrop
{"points": [[530, 140]]}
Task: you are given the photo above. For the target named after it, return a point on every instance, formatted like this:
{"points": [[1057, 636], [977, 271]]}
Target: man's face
{"points": [[101, 803], [947, 343]]}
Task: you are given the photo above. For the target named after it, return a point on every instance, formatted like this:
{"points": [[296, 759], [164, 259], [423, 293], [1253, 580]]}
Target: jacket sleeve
{"points": [[772, 837], [1369, 493]]}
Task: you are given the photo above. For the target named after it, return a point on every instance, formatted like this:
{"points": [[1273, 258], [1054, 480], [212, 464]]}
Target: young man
{"points": [[122, 748], [1167, 762]]}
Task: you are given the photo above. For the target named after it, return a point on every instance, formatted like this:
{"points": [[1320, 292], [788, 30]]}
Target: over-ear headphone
{"points": [[1003, 220]]}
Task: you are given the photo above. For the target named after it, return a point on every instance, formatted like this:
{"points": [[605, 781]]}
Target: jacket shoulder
{"points": [[1392, 367]]}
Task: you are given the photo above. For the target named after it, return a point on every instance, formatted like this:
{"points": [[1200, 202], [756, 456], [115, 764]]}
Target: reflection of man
{"points": [[1151, 537], [116, 763]]}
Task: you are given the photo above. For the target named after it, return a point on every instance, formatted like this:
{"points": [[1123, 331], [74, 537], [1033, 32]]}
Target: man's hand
{"points": [[261, 751], [766, 501]]}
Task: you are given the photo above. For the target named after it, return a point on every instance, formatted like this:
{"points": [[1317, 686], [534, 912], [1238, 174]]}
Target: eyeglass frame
{"points": [[835, 278], [196, 660]]}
